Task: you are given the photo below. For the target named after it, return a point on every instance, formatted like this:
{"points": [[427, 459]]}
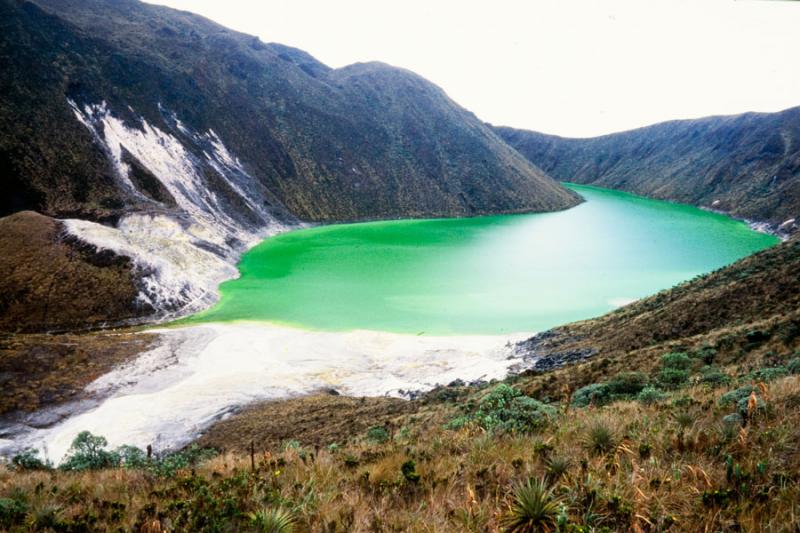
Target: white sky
{"points": [[573, 68]]}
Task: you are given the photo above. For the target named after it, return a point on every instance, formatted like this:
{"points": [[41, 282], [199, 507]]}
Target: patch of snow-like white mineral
{"points": [[182, 257], [174, 271], [168, 396]]}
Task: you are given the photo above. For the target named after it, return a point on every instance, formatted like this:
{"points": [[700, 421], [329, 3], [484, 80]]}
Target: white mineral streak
{"points": [[169, 395], [179, 273], [174, 271]]}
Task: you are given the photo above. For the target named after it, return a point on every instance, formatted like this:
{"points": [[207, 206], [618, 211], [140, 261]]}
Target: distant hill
{"points": [[746, 165], [168, 139]]}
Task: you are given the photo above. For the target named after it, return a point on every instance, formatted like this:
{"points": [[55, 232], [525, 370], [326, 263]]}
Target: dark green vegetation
{"points": [[365, 141], [49, 281], [746, 165]]}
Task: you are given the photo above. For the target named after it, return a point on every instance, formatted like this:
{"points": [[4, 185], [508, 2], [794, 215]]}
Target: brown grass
{"points": [[39, 370], [683, 483]]}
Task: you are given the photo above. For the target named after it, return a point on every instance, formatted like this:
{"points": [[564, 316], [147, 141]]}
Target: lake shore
{"points": [[197, 375]]}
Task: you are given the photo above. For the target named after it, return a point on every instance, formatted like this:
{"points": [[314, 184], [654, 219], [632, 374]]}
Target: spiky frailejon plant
{"points": [[557, 466], [46, 518], [600, 439], [684, 420], [535, 508], [273, 520]]}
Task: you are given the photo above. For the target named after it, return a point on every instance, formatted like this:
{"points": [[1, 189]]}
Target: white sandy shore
{"points": [[168, 395]]}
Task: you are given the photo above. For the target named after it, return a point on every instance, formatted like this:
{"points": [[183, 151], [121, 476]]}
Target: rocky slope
{"points": [[163, 137], [747, 165]]}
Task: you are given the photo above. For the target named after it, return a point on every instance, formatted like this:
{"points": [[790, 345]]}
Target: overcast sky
{"points": [[563, 67]]}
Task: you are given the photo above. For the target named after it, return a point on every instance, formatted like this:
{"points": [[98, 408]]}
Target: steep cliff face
{"points": [[746, 165], [168, 139]]}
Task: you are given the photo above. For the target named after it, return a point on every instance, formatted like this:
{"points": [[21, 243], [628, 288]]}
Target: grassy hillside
{"points": [[709, 456], [685, 418], [51, 282], [746, 165]]}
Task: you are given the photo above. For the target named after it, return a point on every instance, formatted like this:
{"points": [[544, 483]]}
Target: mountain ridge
{"points": [[745, 165], [288, 116]]}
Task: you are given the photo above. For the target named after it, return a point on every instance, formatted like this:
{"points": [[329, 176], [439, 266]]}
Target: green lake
{"points": [[486, 275]]}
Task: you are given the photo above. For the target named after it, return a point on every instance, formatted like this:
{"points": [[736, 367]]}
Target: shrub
{"points": [[733, 419], [458, 422], [88, 452], [744, 408], [377, 435], [757, 336], [600, 439], [733, 397], [12, 512], [534, 508], [273, 521], [409, 471], [506, 409], [627, 383], [706, 354], [672, 378], [525, 414], [170, 464], [768, 374], [650, 395], [596, 394], [28, 459], [713, 376], [676, 360], [793, 366], [131, 456]]}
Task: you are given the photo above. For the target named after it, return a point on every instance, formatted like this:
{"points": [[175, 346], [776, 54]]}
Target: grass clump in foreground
{"points": [[534, 508]]}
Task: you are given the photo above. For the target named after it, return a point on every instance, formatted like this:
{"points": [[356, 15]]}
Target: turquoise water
{"points": [[485, 275]]}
